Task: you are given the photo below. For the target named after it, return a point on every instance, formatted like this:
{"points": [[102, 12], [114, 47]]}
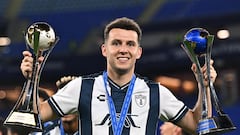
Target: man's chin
{"points": [[122, 70]]}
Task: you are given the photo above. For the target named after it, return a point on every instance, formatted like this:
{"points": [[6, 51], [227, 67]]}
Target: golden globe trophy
{"points": [[40, 39], [198, 43]]}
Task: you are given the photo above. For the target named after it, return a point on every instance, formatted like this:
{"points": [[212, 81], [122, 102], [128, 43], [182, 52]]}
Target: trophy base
{"points": [[215, 126], [24, 121], [22, 128]]}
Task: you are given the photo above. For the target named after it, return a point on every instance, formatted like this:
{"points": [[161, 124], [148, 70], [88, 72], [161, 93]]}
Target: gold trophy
{"points": [[40, 39], [198, 43]]}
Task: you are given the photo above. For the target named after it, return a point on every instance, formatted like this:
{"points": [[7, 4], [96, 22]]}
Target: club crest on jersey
{"points": [[140, 100]]}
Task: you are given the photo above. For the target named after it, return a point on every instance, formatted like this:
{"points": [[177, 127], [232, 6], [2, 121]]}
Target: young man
{"points": [[118, 101]]}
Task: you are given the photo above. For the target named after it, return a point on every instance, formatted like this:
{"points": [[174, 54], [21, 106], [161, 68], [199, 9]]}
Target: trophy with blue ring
{"points": [[198, 43]]}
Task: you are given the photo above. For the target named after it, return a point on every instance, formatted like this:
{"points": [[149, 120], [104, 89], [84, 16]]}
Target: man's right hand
{"points": [[27, 63], [168, 128]]}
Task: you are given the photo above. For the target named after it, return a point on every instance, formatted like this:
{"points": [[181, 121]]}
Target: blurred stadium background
{"points": [[79, 24]]}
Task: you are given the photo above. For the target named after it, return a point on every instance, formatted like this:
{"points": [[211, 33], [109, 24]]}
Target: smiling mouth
{"points": [[123, 58]]}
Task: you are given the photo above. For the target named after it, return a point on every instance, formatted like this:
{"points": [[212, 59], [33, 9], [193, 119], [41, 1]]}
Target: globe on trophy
{"points": [[198, 43], [40, 40]]}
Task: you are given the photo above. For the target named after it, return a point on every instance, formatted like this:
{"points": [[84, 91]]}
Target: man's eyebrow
{"points": [[116, 40], [131, 41]]}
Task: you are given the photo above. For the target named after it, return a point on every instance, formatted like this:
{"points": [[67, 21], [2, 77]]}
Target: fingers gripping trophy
{"points": [[40, 40], [198, 43]]}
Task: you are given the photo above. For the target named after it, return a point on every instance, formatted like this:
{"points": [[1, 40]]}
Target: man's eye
{"points": [[115, 43], [131, 44]]}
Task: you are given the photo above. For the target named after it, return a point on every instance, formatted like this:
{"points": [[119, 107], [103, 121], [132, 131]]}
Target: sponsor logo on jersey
{"points": [[127, 124], [101, 98]]}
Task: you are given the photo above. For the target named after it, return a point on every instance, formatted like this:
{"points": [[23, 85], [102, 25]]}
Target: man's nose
{"points": [[123, 48]]}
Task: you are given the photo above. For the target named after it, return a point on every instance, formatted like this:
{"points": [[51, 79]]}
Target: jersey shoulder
{"points": [[147, 80], [92, 76]]}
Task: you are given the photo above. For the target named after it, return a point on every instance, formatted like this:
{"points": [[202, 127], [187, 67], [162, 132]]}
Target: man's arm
{"points": [[168, 128], [46, 112]]}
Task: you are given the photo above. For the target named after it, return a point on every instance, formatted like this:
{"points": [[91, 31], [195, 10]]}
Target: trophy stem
{"points": [[24, 115], [212, 89], [205, 111], [32, 82], [187, 47], [46, 55]]}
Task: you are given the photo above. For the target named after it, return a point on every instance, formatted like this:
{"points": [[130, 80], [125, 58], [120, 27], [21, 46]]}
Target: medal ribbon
{"points": [[117, 125]]}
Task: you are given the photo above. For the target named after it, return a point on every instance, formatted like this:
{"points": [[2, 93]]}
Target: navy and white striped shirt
{"points": [[87, 96]]}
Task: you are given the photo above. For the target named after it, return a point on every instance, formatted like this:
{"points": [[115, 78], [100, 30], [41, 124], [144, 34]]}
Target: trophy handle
{"points": [[46, 55], [187, 47], [216, 102], [31, 84], [221, 123], [37, 70]]}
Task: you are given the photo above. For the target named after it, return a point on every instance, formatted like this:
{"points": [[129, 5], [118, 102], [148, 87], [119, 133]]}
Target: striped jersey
{"points": [[87, 95]]}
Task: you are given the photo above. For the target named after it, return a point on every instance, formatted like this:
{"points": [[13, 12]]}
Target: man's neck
{"points": [[120, 79]]}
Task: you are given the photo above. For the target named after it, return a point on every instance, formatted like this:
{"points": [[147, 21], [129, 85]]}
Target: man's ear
{"points": [[139, 52], [103, 49]]}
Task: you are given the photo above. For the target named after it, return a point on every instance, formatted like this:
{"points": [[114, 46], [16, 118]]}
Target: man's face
{"points": [[121, 50]]}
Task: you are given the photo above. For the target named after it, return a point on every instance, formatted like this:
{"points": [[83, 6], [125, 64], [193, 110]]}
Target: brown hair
{"points": [[123, 23]]}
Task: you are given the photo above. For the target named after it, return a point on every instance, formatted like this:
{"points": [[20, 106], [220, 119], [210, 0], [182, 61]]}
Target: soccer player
{"points": [[118, 101]]}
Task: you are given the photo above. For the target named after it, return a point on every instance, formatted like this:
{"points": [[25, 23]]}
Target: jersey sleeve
{"points": [[171, 109], [66, 100]]}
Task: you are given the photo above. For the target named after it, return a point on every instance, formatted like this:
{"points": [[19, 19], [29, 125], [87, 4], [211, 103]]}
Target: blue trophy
{"points": [[198, 43]]}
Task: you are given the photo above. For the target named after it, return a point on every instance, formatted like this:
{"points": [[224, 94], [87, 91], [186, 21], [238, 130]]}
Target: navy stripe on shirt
{"points": [[152, 121], [85, 106]]}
